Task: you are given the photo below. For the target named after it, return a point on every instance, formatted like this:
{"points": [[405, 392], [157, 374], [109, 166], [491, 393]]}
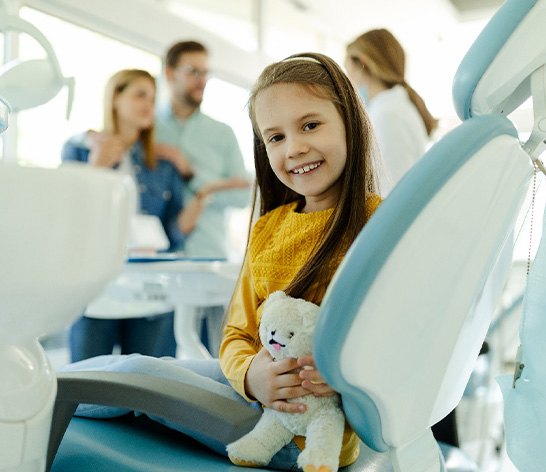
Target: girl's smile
{"points": [[306, 169], [304, 137]]}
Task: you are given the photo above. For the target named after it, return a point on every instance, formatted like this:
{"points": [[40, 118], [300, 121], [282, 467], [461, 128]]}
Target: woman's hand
{"points": [[176, 158], [311, 378], [188, 218], [223, 184], [106, 150], [273, 383]]}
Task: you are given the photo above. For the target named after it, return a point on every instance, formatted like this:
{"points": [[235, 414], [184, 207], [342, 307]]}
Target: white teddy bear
{"points": [[286, 330]]}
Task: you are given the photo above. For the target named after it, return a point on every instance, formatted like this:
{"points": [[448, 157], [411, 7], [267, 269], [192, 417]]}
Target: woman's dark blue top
{"points": [[159, 189]]}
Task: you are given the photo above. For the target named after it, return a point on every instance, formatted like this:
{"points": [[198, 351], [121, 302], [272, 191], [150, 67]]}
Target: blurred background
{"points": [[95, 38]]}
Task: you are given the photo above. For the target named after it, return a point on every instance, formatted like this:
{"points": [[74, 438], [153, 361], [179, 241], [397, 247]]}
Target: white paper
{"points": [[147, 233]]}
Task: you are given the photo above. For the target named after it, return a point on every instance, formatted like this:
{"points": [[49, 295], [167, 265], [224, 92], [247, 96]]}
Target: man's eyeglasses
{"points": [[193, 72]]}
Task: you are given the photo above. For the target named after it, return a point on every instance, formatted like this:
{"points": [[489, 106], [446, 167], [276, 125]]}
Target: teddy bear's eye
{"points": [[290, 334]]}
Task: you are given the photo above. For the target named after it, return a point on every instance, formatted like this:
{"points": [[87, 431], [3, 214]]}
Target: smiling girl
{"points": [[316, 191], [315, 187]]}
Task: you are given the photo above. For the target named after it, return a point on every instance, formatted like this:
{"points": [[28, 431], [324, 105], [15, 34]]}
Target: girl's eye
{"points": [[275, 138], [310, 126]]}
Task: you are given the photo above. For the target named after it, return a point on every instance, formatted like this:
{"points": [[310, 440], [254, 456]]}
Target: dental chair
{"points": [[404, 318], [54, 257]]}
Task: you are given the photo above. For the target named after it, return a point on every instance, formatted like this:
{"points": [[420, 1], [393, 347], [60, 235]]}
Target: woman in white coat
{"points": [[375, 62]]}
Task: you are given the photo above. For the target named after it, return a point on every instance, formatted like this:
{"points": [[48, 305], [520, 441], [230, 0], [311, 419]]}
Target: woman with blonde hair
{"points": [[376, 63], [126, 144]]}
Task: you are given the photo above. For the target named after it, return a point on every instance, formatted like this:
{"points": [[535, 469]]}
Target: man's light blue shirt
{"points": [[214, 153]]}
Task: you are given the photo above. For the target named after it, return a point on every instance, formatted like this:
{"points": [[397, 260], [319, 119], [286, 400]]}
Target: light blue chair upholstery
{"points": [[494, 75], [404, 318], [406, 314]]}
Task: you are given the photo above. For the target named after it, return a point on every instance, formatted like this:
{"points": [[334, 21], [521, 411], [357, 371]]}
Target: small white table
{"points": [[154, 285]]}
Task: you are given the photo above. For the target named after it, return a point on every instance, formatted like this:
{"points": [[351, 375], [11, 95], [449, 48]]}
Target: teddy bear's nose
{"points": [[273, 332]]}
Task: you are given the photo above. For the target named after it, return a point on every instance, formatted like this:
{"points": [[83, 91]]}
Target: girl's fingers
{"points": [[286, 407], [312, 375], [284, 366], [319, 390], [292, 392], [311, 378], [306, 361]]}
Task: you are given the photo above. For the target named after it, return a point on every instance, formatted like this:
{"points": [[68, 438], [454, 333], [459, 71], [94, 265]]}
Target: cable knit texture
{"points": [[281, 242]]}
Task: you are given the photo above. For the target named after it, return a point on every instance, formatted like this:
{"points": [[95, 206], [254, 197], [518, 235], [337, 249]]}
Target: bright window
{"points": [[228, 103], [91, 59]]}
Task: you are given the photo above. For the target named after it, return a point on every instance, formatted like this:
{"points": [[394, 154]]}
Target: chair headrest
{"points": [[494, 75]]}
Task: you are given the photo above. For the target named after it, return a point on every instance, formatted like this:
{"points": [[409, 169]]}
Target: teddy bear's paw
{"points": [[249, 452], [312, 468], [243, 463], [313, 460]]}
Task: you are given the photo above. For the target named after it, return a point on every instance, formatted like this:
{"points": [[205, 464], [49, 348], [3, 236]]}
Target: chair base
{"points": [[117, 445]]}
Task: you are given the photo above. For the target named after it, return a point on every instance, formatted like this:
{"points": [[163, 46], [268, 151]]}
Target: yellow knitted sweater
{"points": [[280, 244]]}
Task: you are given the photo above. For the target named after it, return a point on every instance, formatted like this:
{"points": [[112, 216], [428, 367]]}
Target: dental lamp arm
{"points": [[208, 413]]}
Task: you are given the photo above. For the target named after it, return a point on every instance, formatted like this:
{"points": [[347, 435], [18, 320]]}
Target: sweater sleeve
{"points": [[241, 339]]}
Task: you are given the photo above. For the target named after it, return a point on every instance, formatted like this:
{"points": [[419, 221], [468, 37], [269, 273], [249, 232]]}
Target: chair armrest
{"points": [[205, 412]]}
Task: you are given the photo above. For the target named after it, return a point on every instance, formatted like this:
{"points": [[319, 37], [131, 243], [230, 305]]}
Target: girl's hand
{"points": [[106, 150], [311, 378], [273, 383]]}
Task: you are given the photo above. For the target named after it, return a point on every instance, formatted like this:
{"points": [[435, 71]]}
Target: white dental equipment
{"points": [[29, 83], [55, 257], [4, 115]]}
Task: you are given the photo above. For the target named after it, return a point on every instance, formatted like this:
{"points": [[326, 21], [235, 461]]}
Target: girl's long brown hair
{"points": [[115, 85], [383, 57], [319, 75]]}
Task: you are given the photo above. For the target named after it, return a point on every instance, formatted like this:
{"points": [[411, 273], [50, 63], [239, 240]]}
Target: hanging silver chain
{"points": [[531, 221]]}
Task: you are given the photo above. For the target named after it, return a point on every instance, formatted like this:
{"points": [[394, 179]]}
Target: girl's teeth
{"points": [[305, 169]]}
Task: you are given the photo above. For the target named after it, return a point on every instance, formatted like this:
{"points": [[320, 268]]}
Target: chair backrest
{"points": [[407, 311], [400, 327]]}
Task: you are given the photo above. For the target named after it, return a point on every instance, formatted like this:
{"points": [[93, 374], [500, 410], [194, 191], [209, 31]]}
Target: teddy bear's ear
{"points": [[309, 313], [278, 295], [273, 297]]}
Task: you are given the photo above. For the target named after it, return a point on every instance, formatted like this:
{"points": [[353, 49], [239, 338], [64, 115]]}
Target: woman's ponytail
{"points": [[430, 122]]}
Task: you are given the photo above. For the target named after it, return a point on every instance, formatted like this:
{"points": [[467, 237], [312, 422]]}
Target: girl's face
{"points": [[135, 104], [305, 142]]}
